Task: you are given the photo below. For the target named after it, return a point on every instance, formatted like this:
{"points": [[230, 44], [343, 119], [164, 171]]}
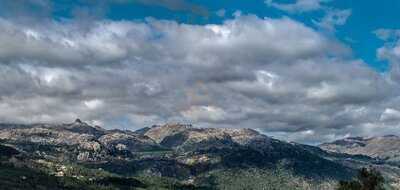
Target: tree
{"points": [[367, 179]]}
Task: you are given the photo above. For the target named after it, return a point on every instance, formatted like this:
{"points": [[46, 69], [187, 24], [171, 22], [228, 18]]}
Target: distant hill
{"points": [[386, 148]]}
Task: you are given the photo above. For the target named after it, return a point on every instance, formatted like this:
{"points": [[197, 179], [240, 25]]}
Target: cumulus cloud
{"points": [[239, 41], [275, 75]]}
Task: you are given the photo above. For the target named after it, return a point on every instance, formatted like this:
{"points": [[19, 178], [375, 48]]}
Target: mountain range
{"points": [[184, 153]]}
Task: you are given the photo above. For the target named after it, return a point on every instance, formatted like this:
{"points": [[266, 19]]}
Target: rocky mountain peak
{"points": [[79, 126], [78, 120], [80, 123]]}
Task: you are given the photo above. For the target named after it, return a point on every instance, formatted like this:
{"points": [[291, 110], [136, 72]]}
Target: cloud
{"points": [[390, 114], [333, 18], [390, 51], [176, 5], [110, 42], [275, 75], [26, 9], [93, 104], [391, 48], [205, 113], [387, 34], [84, 11], [299, 6], [221, 12]]}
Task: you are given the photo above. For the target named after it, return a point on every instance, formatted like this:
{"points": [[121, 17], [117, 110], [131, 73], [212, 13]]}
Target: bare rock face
{"points": [[186, 137], [159, 132], [128, 141], [77, 141], [91, 146], [243, 136], [385, 147], [55, 142], [49, 136]]}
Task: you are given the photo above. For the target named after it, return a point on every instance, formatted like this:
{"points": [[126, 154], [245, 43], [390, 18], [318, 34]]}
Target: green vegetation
{"points": [[163, 183], [76, 177], [367, 179], [154, 152], [16, 174], [22, 172], [256, 179], [13, 178]]}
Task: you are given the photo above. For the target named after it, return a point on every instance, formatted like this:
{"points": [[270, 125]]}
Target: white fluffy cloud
{"points": [[240, 41], [275, 75]]}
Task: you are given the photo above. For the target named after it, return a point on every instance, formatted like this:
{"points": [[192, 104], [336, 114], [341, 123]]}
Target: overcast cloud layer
{"points": [[274, 75]]}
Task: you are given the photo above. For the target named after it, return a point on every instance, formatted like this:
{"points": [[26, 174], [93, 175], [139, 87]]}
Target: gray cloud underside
{"points": [[274, 75]]}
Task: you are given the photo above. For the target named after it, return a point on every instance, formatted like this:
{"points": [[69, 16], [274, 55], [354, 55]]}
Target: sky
{"points": [[307, 71]]}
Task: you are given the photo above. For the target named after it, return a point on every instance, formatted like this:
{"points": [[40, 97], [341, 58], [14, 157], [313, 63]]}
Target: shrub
{"points": [[367, 179], [262, 179]]}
